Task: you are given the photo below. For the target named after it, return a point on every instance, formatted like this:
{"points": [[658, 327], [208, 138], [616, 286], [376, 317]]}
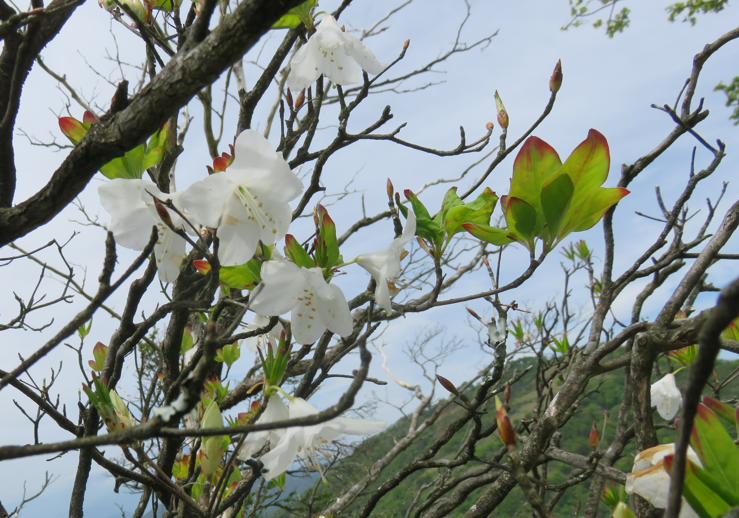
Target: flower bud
{"points": [[489, 126], [201, 266], [300, 100], [555, 82], [89, 118], [474, 314], [502, 113], [390, 189], [594, 436], [72, 129], [99, 352], [289, 97], [447, 384], [507, 392], [505, 427], [405, 44], [162, 212]]}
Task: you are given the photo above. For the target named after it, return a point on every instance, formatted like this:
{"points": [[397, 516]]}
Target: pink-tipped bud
{"points": [[505, 427], [489, 126], [594, 436], [72, 129], [221, 163], [447, 384], [555, 82], [289, 97], [300, 100], [89, 118], [502, 113], [507, 392], [390, 189], [408, 194], [201, 266], [406, 43]]}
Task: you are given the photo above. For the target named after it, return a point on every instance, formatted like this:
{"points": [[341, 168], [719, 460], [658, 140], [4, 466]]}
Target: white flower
{"points": [[337, 54], [384, 264], [248, 202], [133, 213], [276, 411], [650, 480], [315, 304], [666, 397], [304, 441], [261, 341]]}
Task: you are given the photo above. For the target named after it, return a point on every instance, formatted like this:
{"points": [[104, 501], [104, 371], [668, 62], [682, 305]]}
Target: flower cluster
{"points": [[299, 441]]}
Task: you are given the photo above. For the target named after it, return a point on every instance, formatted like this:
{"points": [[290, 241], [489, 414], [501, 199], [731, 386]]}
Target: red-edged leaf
{"points": [[715, 448]]}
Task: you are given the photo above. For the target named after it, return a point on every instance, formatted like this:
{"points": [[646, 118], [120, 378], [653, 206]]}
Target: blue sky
{"points": [[608, 85]]}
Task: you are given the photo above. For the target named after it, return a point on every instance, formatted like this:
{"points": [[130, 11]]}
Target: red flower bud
{"points": [[505, 427], [594, 436], [555, 82], [474, 314], [447, 384], [289, 97], [89, 118], [202, 266], [300, 100], [162, 212]]}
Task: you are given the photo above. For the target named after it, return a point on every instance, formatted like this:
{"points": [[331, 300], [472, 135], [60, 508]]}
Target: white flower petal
{"points": [[283, 284], [305, 324], [364, 56], [261, 341], [348, 426], [169, 251], [238, 239], [666, 397], [341, 68], [281, 456], [131, 220], [206, 199], [334, 312], [304, 67]]}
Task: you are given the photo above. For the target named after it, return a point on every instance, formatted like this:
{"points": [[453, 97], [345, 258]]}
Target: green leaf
{"points": [[715, 448], [296, 16], [699, 490], [555, 199], [297, 253], [721, 409], [535, 162], [496, 236], [477, 211], [425, 226], [245, 276], [521, 218], [592, 209], [451, 200], [127, 166], [155, 148]]}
